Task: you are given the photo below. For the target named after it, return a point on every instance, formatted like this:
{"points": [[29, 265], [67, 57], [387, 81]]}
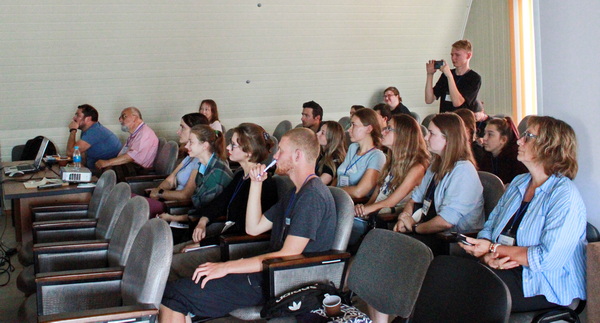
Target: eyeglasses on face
{"points": [[388, 128], [527, 135], [233, 146]]}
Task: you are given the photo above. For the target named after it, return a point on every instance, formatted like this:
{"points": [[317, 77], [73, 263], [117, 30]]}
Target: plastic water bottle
{"points": [[76, 158]]}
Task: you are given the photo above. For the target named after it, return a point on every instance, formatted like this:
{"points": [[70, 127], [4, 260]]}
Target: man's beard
{"points": [[124, 128]]}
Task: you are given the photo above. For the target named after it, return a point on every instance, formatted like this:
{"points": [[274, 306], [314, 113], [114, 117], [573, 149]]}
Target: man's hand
{"points": [[209, 271], [73, 125], [446, 70], [154, 193], [102, 164], [199, 232], [165, 216], [430, 67]]}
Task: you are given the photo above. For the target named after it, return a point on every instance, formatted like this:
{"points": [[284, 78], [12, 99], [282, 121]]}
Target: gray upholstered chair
{"points": [[344, 122], [424, 131], [269, 158], [523, 124], [61, 235], [461, 290], [427, 119], [290, 273], [105, 184], [113, 294], [493, 189], [416, 116], [283, 127], [164, 164], [388, 270]]}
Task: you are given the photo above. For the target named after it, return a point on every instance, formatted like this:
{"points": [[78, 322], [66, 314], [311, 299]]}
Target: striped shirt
{"points": [[210, 182], [554, 230]]}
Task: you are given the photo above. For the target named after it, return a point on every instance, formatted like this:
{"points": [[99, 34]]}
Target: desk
{"points": [[24, 198]]}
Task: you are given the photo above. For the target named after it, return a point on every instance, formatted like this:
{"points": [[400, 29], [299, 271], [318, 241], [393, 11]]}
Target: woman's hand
{"points": [[154, 193], [494, 262], [165, 216], [199, 232], [479, 248], [359, 211], [209, 271]]}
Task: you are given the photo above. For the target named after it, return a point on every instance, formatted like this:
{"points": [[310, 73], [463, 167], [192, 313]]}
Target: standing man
{"points": [[312, 116], [456, 88], [138, 154], [303, 220], [96, 141]]}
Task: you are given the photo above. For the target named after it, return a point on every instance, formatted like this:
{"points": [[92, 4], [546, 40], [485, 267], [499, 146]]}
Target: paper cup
{"points": [[333, 305]]}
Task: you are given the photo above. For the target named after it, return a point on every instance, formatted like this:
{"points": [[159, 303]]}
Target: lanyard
{"points": [[518, 215], [135, 133], [289, 208], [356, 161], [430, 189], [235, 193]]}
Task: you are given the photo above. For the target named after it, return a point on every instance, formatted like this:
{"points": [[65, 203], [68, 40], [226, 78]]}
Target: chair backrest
{"points": [[133, 216], [592, 234], [388, 270], [493, 188], [344, 208], [110, 213], [16, 152], [147, 269], [283, 127], [424, 131], [459, 289], [166, 158], [427, 119], [344, 122], [523, 124], [274, 149], [284, 184], [298, 125], [228, 135], [416, 116], [105, 184]]}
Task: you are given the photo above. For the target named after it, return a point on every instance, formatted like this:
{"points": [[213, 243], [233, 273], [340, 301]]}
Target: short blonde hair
{"points": [[305, 140], [463, 44], [555, 146]]}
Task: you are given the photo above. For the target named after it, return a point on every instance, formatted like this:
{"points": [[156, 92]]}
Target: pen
{"points": [[267, 168]]}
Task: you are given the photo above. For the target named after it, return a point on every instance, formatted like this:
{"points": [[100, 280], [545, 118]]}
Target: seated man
{"points": [[312, 116], [139, 152], [96, 142], [302, 221]]}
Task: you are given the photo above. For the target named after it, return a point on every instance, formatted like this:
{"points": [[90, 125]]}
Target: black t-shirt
{"points": [[400, 109], [468, 85], [312, 215]]}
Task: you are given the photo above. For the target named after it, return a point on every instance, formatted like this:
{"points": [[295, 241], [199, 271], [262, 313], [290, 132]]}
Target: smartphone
{"points": [[462, 238], [438, 64]]}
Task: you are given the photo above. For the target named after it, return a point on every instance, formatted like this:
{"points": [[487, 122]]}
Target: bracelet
{"points": [[493, 247], [71, 130]]}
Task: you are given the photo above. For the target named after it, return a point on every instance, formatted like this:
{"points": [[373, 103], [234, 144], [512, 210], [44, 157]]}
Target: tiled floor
{"points": [[10, 296]]}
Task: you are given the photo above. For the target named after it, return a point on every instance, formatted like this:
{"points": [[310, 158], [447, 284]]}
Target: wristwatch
{"points": [[71, 130], [160, 193]]}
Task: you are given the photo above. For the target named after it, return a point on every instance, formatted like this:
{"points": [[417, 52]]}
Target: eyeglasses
{"points": [[388, 128], [528, 135], [233, 146]]}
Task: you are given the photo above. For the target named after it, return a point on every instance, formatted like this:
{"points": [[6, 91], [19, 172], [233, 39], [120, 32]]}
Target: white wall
{"points": [[260, 63], [570, 82]]}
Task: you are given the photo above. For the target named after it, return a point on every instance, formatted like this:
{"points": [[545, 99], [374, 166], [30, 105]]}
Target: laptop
{"points": [[30, 168]]}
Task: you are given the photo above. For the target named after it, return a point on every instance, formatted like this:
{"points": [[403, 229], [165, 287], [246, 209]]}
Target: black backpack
{"points": [[33, 145], [299, 301]]}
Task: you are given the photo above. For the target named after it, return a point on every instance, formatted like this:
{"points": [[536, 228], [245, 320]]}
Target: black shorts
{"points": [[219, 296]]}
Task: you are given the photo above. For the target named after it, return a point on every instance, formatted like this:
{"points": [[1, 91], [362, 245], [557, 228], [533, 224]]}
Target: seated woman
{"points": [[208, 146], [468, 118], [249, 145], [209, 109], [406, 164], [180, 184], [333, 151], [535, 239], [500, 144], [358, 174], [451, 192]]}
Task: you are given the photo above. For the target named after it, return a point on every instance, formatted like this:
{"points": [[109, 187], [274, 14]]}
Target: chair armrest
{"points": [[245, 238], [72, 246], [238, 246], [60, 208], [182, 203], [306, 259], [145, 178], [66, 277], [63, 224], [59, 212], [360, 200], [122, 313], [388, 217], [51, 257]]}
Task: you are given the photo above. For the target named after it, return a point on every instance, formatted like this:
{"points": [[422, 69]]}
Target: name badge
{"points": [[506, 240], [288, 221], [448, 98], [426, 205], [343, 180]]}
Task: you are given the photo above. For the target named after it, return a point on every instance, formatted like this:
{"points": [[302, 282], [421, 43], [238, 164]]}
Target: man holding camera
{"points": [[456, 88]]}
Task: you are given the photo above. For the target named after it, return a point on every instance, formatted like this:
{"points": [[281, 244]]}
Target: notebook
{"points": [[30, 168]]}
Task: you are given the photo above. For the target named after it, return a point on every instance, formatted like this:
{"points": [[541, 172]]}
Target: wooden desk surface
{"points": [[13, 187]]}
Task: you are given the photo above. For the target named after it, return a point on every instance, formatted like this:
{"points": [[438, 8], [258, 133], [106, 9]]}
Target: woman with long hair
{"points": [[180, 184], [406, 164], [208, 146], [359, 172], [250, 144], [500, 144], [535, 238], [450, 192], [333, 150], [209, 109]]}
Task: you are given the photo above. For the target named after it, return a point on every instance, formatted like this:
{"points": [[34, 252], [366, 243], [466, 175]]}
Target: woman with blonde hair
{"points": [[450, 192], [358, 174], [535, 238], [406, 164], [333, 150]]}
